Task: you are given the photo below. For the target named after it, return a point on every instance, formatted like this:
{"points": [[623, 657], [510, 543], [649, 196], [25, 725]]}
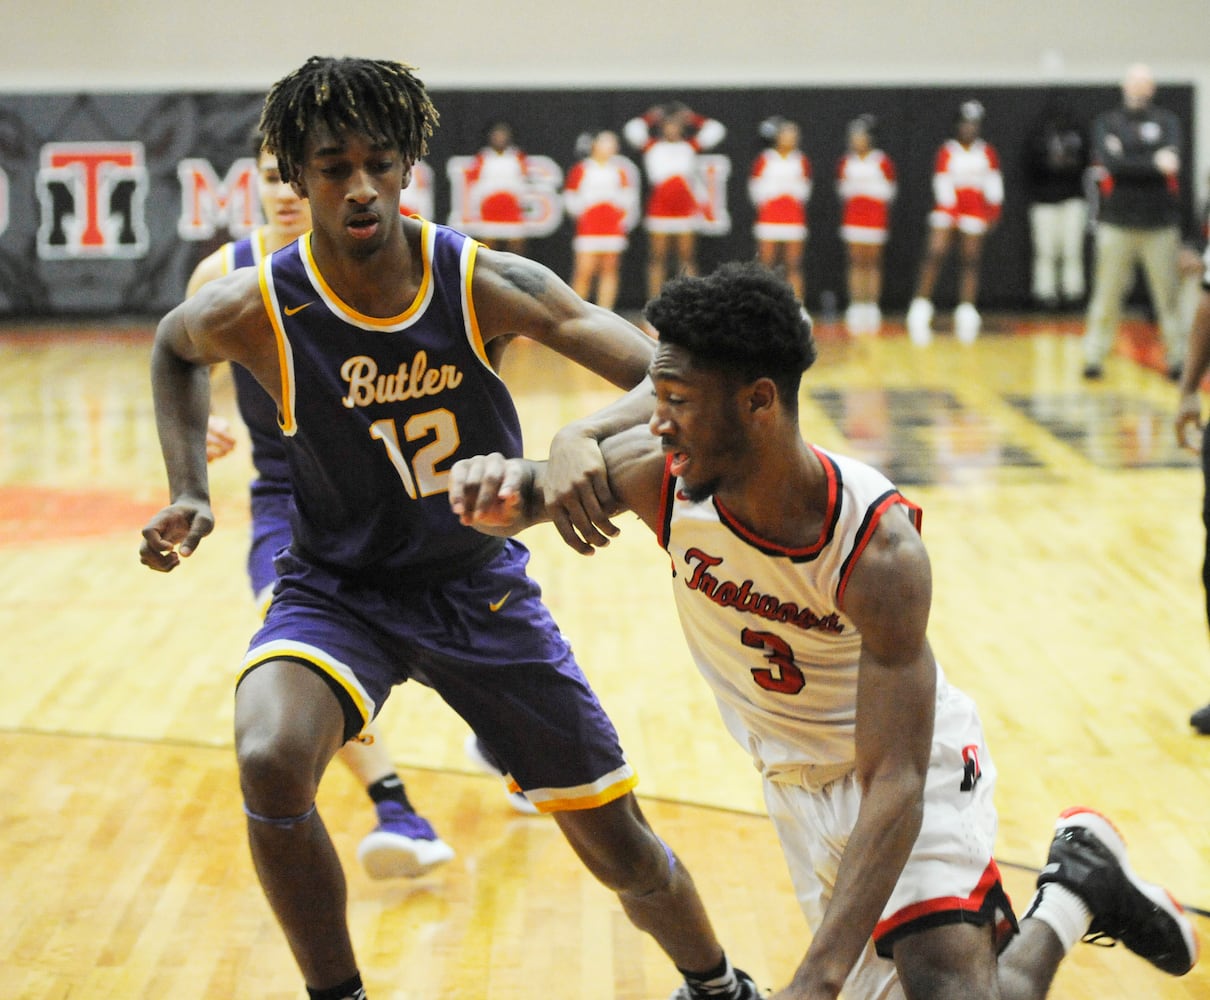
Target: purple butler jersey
{"points": [[375, 412]]}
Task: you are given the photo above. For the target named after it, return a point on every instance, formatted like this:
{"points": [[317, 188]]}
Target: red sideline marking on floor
{"points": [[43, 513]]}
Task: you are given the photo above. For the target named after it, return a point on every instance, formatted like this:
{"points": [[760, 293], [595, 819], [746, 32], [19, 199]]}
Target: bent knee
{"points": [[276, 776]]}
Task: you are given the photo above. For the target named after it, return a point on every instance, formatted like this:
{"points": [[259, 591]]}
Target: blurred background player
{"points": [[497, 181], [1056, 158], [779, 185], [417, 197], [866, 184], [670, 137], [403, 843], [969, 191], [601, 194]]}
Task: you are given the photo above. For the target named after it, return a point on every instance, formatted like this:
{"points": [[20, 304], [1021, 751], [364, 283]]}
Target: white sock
{"points": [[1062, 911]]}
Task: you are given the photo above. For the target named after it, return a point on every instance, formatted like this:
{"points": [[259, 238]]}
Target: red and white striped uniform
{"points": [[497, 182], [676, 201], [603, 198], [968, 187], [866, 185], [779, 185]]}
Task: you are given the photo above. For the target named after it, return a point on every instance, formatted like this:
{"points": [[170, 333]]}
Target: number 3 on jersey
{"points": [[787, 678], [420, 478]]}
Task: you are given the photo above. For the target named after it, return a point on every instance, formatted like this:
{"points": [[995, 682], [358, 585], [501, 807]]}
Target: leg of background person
{"points": [[1074, 229], [657, 262], [581, 274], [935, 252], [403, 844], [1111, 279], [1044, 222], [288, 726], [971, 254], [792, 254], [686, 253], [608, 265], [1201, 718], [1160, 252]]}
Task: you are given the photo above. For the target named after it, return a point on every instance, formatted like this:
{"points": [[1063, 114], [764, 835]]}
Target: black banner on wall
{"points": [[108, 201]]}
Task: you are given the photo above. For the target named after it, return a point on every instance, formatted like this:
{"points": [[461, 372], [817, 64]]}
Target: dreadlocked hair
{"points": [[378, 97]]}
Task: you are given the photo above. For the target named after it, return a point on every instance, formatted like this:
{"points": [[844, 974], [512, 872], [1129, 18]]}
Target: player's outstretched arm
{"points": [[222, 322], [504, 496], [517, 296]]}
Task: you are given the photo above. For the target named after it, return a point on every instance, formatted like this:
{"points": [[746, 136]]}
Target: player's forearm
{"points": [[878, 847], [181, 394]]}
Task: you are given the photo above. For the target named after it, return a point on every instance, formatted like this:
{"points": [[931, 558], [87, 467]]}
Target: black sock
{"points": [[390, 789], [350, 990], [721, 981]]}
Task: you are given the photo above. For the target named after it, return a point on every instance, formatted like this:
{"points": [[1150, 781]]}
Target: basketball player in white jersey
{"points": [[804, 589]]}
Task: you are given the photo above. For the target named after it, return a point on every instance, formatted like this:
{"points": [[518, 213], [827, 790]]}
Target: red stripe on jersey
{"points": [[665, 508], [867, 532], [832, 476]]}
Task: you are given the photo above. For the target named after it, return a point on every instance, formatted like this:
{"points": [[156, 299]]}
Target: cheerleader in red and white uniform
{"points": [[496, 183], [670, 137], [969, 191], [602, 195], [779, 185], [866, 185]]}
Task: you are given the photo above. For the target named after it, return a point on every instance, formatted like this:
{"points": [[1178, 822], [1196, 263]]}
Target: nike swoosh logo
{"points": [[291, 310], [495, 606]]}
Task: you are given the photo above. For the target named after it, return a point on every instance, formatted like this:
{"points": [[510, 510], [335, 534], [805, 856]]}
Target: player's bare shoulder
{"points": [[892, 572], [519, 295], [225, 320]]}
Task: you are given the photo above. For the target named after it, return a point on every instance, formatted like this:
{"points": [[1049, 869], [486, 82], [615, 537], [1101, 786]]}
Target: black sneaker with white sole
{"points": [[1088, 857]]}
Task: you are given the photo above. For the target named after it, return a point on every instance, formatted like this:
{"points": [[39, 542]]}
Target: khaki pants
{"points": [[1058, 230], [1118, 249]]}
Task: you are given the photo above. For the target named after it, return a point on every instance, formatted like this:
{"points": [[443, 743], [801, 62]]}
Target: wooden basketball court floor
{"points": [[1065, 535]]}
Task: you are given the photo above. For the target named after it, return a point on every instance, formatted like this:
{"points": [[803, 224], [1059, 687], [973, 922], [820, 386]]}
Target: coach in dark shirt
{"points": [[1136, 146]]}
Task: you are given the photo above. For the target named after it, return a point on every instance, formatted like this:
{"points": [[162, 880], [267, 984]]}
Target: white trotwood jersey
{"points": [[766, 625]]}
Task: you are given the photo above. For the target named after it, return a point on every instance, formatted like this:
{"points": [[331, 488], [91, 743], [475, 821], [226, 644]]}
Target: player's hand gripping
{"points": [[174, 533], [576, 492]]}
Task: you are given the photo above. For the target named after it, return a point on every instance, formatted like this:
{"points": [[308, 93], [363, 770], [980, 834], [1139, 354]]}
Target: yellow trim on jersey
{"points": [[470, 253], [226, 256], [428, 236], [284, 649], [285, 418]]}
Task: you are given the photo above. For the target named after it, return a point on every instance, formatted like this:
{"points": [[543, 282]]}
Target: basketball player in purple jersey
{"points": [[403, 843], [370, 334], [803, 589]]}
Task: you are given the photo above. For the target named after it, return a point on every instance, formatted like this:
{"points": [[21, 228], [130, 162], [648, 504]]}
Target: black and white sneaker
{"points": [[1088, 857], [748, 990]]}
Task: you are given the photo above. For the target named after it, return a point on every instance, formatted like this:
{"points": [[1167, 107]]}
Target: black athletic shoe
{"points": [[748, 990], [1200, 720], [1088, 856]]}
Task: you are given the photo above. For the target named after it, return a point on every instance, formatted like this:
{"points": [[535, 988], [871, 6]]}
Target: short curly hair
{"points": [[378, 97], [743, 320]]}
